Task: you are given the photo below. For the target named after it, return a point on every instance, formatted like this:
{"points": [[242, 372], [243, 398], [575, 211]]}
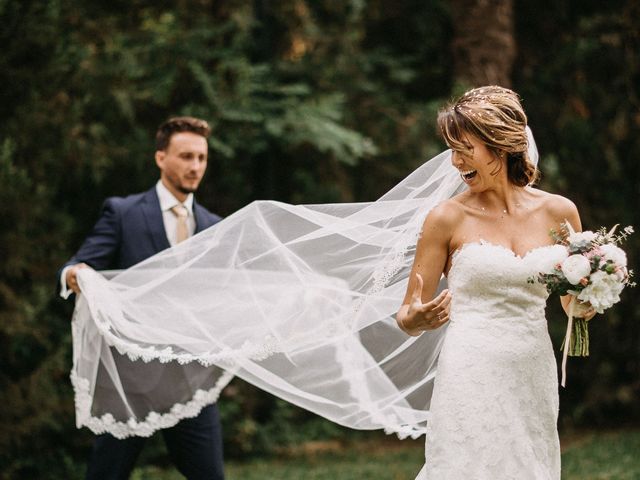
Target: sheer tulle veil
{"points": [[298, 300]]}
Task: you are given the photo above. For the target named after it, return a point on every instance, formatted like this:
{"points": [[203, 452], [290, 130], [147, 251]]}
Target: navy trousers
{"points": [[194, 445]]}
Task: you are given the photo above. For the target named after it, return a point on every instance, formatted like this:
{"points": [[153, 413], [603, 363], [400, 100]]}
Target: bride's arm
{"points": [[432, 252], [566, 211]]}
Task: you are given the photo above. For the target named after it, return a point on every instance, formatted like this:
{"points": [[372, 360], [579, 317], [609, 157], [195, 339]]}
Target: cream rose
{"points": [[603, 291], [576, 267], [615, 254], [579, 237]]}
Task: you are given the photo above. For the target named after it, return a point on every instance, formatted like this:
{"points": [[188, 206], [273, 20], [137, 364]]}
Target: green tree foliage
{"points": [[310, 101]]}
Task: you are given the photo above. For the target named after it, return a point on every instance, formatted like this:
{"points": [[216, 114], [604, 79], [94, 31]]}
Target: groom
{"points": [[129, 230]]}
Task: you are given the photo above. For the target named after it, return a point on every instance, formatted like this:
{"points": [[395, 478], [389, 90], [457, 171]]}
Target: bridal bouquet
{"points": [[593, 268]]}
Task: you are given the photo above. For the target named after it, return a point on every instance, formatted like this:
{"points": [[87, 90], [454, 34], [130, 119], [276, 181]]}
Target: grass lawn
{"points": [[591, 456], [603, 456]]}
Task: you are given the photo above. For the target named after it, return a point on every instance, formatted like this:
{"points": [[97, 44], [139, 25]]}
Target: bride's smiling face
{"points": [[478, 166]]}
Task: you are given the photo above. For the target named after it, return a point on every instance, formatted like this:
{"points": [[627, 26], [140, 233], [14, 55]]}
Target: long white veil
{"points": [[297, 300]]}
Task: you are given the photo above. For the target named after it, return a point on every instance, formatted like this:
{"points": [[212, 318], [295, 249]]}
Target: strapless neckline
{"points": [[483, 242], [498, 247]]}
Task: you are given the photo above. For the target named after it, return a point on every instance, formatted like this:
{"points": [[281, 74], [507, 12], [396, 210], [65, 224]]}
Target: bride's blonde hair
{"points": [[495, 116]]}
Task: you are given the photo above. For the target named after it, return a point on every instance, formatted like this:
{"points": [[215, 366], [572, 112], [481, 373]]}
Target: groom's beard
{"points": [[188, 185], [187, 190]]}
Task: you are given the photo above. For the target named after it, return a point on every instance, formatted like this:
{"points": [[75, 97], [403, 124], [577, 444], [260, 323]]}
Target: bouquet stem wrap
{"points": [[576, 340]]}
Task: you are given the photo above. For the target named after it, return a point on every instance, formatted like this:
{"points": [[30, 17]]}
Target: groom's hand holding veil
{"points": [[71, 276], [415, 317]]}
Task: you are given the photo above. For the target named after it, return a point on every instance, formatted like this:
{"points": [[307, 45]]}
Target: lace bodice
{"points": [[495, 401], [493, 271]]}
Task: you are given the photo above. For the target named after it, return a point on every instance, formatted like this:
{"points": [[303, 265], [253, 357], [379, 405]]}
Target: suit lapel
{"points": [[200, 220], [154, 221]]}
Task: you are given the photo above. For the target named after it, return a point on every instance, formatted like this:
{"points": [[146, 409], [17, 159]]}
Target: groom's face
{"points": [[183, 163]]}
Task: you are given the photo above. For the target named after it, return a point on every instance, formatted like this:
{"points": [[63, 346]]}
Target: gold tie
{"points": [[181, 213]]}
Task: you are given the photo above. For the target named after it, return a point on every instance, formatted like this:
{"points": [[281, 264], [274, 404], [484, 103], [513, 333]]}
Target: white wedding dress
{"points": [[495, 401]]}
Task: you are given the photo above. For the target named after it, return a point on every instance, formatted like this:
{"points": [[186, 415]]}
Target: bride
{"points": [[302, 300], [495, 402]]}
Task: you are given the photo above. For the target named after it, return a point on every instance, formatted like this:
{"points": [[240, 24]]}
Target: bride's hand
{"points": [[424, 316], [582, 309]]}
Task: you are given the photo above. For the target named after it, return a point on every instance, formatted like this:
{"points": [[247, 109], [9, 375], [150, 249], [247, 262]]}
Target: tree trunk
{"points": [[484, 46]]}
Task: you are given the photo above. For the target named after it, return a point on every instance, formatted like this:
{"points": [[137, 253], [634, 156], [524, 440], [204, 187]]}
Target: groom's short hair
{"points": [[178, 125]]}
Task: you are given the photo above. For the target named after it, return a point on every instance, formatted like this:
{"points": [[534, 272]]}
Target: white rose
{"points": [[557, 255], [578, 237], [575, 268], [603, 291], [616, 254]]}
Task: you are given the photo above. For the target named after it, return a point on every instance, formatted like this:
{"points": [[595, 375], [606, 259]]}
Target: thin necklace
{"points": [[504, 210]]}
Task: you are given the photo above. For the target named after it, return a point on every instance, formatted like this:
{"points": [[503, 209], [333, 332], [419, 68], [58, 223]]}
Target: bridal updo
{"points": [[495, 116]]}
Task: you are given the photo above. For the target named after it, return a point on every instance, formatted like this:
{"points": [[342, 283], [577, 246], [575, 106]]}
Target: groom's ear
{"points": [[160, 154]]}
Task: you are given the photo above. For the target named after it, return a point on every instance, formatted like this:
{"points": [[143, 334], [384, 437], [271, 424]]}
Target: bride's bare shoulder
{"points": [[557, 206], [438, 226], [445, 215]]}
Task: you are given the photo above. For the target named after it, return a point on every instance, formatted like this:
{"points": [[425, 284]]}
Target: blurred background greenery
{"points": [[310, 101]]}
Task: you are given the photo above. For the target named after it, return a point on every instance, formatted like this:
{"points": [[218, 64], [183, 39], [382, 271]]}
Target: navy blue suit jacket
{"points": [[130, 229]]}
